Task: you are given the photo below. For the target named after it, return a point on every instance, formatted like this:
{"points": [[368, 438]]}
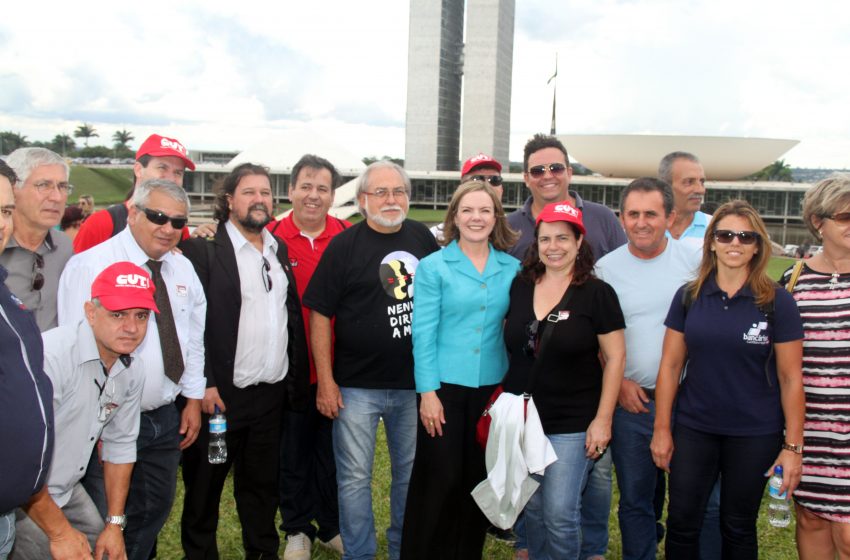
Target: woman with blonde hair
{"points": [[459, 359], [822, 291], [739, 409]]}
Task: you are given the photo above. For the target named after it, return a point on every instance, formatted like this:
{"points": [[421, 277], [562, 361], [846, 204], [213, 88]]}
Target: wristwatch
{"points": [[794, 447], [120, 520]]}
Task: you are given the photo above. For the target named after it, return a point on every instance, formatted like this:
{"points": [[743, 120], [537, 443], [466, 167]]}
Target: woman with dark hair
{"points": [[822, 292], [459, 356], [575, 395], [740, 335]]}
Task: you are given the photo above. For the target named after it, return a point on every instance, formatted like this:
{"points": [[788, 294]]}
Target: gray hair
{"points": [[363, 179], [169, 188], [24, 160], [649, 184], [665, 167], [827, 197]]}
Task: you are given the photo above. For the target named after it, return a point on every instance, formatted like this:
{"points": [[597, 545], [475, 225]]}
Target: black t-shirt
{"points": [[365, 280], [568, 383]]}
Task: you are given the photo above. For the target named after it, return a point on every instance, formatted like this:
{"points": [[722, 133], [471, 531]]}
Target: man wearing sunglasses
{"points": [[547, 175], [173, 353], [257, 365], [97, 389], [158, 157], [37, 253], [477, 168]]}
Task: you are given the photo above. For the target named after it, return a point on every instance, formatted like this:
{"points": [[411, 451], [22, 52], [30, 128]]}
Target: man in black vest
{"points": [[256, 364]]}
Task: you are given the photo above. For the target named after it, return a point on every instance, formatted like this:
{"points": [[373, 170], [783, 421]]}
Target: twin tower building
{"points": [[458, 85]]}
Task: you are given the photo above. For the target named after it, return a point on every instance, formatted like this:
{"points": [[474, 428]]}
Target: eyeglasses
{"points": [[842, 219], [267, 279], [530, 348], [494, 180], [37, 275], [384, 194], [556, 169], [161, 218], [745, 237], [44, 187]]}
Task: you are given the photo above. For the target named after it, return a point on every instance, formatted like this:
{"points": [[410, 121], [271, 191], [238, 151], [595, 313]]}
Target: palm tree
{"points": [[11, 141], [776, 171], [122, 138], [85, 131], [62, 143]]}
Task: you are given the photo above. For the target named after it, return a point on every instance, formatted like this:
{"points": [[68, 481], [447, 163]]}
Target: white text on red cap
{"points": [[135, 280]]}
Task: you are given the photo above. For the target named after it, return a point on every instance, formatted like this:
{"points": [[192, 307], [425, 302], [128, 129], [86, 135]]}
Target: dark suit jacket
{"points": [[215, 263]]}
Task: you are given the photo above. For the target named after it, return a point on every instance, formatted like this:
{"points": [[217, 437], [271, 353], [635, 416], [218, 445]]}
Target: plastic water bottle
{"points": [[778, 511], [218, 447]]}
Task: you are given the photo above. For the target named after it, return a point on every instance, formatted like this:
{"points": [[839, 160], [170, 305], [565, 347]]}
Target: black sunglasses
{"points": [[267, 279], [494, 180], [530, 348], [37, 275], [745, 237], [557, 169], [161, 218]]}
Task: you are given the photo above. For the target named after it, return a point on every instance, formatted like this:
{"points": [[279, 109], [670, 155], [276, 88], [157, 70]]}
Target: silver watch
{"points": [[120, 520]]}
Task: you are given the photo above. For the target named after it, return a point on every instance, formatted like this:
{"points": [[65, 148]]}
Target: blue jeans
{"points": [[595, 508], [553, 514], [153, 483], [354, 434], [636, 479], [7, 533]]}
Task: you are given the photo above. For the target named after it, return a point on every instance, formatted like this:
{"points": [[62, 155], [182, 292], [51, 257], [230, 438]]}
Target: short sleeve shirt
{"points": [[727, 389], [365, 280], [568, 383]]}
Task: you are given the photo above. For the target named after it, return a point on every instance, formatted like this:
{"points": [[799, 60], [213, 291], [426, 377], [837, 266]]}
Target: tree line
{"points": [[66, 145]]}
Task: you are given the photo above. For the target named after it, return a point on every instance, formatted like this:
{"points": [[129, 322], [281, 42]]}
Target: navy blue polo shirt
{"points": [[26, 404], [726, 390]]}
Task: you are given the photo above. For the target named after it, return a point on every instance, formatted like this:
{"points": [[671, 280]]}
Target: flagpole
{"points": [[554, 95]]}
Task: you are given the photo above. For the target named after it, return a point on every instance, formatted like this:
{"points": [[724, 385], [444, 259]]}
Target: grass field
{"points": [[106, 185]]}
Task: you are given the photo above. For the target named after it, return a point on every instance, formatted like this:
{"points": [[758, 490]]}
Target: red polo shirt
{"points": [[304, 255]]}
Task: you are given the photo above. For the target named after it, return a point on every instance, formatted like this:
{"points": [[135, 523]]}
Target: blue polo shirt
{"points": [[694, 234], [726, 390], [26, 404]]}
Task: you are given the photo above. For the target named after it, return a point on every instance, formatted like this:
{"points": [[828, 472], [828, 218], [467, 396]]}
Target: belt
{"points": [[649, 393]]}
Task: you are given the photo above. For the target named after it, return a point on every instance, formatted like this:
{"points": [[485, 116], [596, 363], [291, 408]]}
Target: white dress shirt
{"points": [[261, 345], [88, 405], [188, 305]]}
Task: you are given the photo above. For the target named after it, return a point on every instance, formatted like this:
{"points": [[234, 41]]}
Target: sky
{"points": [[231, 75]]}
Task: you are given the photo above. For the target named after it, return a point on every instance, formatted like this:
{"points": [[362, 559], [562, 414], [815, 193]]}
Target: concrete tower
{"points": [[437, 65]]}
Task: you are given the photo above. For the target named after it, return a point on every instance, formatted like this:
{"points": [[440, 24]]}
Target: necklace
{"points": [[833, 282]]}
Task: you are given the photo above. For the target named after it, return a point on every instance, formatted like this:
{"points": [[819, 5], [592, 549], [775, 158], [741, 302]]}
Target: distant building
{"points": [[442, 71]]}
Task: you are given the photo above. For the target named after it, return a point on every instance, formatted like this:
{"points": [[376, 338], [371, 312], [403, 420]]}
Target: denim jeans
{"points": [[354, 435], [553, 514], [636, 479], [31, 543], [7, 533], [595, 508], [698, 459], [153, 483]]}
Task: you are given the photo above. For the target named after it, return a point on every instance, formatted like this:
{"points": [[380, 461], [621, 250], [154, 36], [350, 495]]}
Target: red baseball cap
{"points": [[160, 146], [561, 212], [480, 160], [124, 285]]}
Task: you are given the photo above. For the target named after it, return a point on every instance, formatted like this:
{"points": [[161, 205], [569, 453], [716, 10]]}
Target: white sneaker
{"points": [[297, 547], [334, 544]]}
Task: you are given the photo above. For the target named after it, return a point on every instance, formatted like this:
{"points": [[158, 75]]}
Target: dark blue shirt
{"points": [[26, 404], [727, 390]]}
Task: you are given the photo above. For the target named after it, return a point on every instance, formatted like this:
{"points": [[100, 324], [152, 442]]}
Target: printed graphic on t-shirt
{"points": [[396, 272], [755, 336]]}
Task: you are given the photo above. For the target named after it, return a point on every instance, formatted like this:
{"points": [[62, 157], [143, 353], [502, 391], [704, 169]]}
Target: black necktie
{"points": [[172, 357]]}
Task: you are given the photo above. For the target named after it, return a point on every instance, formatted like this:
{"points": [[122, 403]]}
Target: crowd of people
{"points": [[652, 344]]}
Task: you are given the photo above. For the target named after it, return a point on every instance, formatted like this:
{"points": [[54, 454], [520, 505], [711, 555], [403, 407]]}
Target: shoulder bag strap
{"points": [[795, 275], [544, 339]]}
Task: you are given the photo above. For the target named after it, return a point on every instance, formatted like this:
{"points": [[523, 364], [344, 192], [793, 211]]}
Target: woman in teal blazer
{"points": [[459, 307]]}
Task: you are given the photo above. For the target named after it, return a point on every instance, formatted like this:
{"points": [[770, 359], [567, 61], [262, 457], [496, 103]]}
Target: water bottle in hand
{"points": [[778, 510], [218, 447]]}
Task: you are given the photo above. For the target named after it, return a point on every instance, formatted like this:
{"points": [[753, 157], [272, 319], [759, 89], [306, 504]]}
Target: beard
{"points": [[252, 224], [387, 222]]}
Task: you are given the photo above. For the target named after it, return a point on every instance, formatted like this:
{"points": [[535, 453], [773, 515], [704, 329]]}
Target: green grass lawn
{"points": [[106, 185]]}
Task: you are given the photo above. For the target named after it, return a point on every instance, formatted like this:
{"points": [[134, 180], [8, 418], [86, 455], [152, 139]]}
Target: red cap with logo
{"points": [[561, 212], [124, 285], [160, 146], [480, 160]]}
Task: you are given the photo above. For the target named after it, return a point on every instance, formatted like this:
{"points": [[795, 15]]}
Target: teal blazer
{"points": [[458, 316]]}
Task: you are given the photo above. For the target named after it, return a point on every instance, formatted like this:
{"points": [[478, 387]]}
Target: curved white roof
{"points": [[637, 155]]}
